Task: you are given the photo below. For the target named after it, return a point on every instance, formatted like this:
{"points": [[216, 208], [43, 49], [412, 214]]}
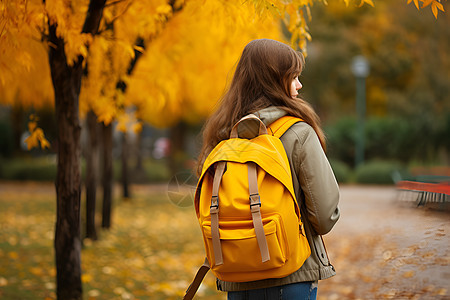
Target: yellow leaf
{"points": [[36, 271], [416, 3], [31, 141], [408, 274], [426, 2], [83, 50], [86, 278], [370, 2], [164, 9], [130, 50], [439, 5], [36, 137], [435, 6], [44, 143], [435, 11], [31, 126], [3, 281], [40, 135]]}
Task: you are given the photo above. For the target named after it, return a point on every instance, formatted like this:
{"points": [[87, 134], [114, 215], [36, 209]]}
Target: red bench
{"points": [[423, 192]]}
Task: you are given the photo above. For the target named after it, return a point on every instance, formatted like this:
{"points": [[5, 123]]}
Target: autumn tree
{"points": [[66, 75], [67, 31], [113, 56], [91, 182]]}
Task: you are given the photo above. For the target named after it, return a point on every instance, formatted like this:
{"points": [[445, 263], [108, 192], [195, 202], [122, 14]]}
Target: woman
{"points": [[266, 83]]}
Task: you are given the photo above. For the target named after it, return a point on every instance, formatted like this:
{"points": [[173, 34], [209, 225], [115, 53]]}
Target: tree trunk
{"points": [[177, 145], [107, 175], [139, 163], [66, 83], [91, 174], [125, 173], [17, 116]]}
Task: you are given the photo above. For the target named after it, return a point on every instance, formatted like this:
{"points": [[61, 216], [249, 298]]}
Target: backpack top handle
{"points": [[262, 127]]}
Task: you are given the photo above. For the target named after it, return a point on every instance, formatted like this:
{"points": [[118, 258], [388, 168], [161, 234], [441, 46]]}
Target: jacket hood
{"points": [[270, 114], [249, 129]]}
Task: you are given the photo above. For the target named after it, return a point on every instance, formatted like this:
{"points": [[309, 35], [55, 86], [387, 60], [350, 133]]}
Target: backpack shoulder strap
{"points": [[280, 126], [192, 289]]}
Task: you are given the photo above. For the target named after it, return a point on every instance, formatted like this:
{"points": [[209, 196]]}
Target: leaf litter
{"points": [[154, 249]]}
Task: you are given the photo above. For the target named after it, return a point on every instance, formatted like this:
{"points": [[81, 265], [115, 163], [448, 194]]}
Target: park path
{"points": [[385, 249]]}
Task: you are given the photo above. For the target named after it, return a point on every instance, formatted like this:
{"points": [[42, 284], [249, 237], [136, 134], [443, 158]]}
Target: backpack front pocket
{"points": [[240, 247]]}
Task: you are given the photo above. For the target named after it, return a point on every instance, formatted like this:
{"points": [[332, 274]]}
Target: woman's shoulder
{"points": [[299, 131]]}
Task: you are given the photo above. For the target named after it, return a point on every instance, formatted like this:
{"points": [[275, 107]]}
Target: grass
{"points": [[151, 252], [26, 252], [44, 168], [28, 168]]}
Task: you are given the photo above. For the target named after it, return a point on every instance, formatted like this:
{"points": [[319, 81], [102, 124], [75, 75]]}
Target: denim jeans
{"points": [[293, 291]]}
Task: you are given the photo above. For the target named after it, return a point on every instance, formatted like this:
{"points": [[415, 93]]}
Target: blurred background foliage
{"points": [[408, 102]]}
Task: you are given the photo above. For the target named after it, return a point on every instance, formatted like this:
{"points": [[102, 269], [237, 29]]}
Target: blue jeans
{"points": [[293, 291]]}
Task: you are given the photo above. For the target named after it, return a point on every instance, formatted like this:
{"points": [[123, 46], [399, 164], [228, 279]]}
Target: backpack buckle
{"points": [[214, 207], [255, 200]]}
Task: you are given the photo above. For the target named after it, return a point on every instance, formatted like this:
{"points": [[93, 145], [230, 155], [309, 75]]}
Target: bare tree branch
{"points": [[93, 16]]}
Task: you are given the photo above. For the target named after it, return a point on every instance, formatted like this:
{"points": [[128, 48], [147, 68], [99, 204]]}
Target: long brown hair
{"points": [[262, 78]]}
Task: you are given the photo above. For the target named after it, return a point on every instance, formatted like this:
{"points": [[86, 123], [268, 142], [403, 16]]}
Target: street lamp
{"points": [[360, 68]]}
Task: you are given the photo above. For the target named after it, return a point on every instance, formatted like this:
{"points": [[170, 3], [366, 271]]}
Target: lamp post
{"points": [[360, 68]]}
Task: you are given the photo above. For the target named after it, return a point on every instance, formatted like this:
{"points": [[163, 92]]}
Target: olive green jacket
{"points": [[318, 195]]}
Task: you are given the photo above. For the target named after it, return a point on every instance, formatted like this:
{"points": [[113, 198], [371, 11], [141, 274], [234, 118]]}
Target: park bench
{"points": [[426, 186]]}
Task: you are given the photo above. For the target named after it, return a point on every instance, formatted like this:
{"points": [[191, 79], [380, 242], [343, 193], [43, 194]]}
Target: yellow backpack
{"points": [[247, 210]]}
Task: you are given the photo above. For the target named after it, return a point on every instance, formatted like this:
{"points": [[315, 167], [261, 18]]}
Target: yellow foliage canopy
{"points": [[184, 65], [188, 50], [25, 74], [183, 72]]}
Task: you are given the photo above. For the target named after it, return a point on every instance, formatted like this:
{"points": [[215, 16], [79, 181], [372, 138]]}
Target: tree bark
{"points": [[125, 173], [17, 117], [107, 175], [139, 162], [67, 84], [91, 175], [177, 147]]}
